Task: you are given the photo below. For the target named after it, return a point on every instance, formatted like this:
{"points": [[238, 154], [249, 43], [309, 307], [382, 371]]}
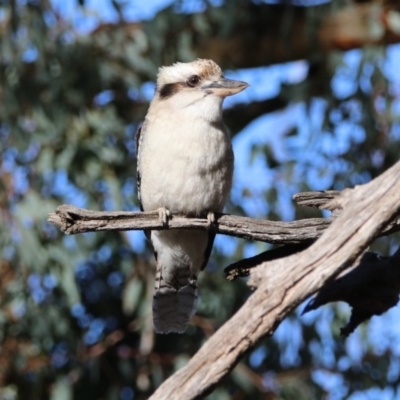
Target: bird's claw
{"points": [[211, 219], [164, 215]]}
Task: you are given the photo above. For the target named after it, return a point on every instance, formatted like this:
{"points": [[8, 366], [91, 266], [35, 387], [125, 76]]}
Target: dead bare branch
{"points": [[73, 220], [284, 283], [242, 268], [360, 215], [371, 288]]}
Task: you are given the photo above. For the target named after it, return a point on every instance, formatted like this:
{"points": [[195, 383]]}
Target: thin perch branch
{"points": [[73, 220]]}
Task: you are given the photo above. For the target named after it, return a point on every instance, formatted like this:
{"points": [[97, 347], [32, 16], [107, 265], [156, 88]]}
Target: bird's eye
{"points": [[193, 80]]}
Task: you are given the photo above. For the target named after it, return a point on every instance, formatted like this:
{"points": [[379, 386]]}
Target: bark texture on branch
{"points": [[73, 220], [284, 283], [360, 214]]}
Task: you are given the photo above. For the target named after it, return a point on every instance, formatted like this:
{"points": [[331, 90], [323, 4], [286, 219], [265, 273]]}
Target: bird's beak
{"points": [[224, 87]]}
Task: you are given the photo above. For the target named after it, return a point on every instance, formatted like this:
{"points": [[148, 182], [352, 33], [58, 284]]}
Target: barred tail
{"points": [[174, 302]]}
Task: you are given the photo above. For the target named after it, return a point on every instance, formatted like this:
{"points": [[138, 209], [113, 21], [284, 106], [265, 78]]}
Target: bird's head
{"points": [[199, 85]]}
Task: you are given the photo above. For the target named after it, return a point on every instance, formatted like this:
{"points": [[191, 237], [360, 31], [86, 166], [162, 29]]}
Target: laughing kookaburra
{"points": [[185, 166]]}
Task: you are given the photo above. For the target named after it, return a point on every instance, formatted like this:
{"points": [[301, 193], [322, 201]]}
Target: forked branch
{"points": [[360, 215], [282, 284]]}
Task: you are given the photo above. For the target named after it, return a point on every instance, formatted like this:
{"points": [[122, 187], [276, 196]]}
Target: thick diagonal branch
{"points": [[284, 283]]}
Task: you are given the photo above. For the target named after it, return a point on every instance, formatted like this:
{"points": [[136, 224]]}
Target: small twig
{"points": [[321, 200], [242, 268]]}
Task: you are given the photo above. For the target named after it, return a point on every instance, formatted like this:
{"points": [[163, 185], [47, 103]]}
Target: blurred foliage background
{"points": [[76, 78]]}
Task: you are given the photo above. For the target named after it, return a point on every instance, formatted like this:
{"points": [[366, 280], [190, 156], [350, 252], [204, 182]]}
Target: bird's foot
{"points": [[164, 215], [211, 218]]}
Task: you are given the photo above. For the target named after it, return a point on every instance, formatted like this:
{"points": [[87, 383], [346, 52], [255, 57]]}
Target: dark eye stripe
{"points": [[169, 89]]}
